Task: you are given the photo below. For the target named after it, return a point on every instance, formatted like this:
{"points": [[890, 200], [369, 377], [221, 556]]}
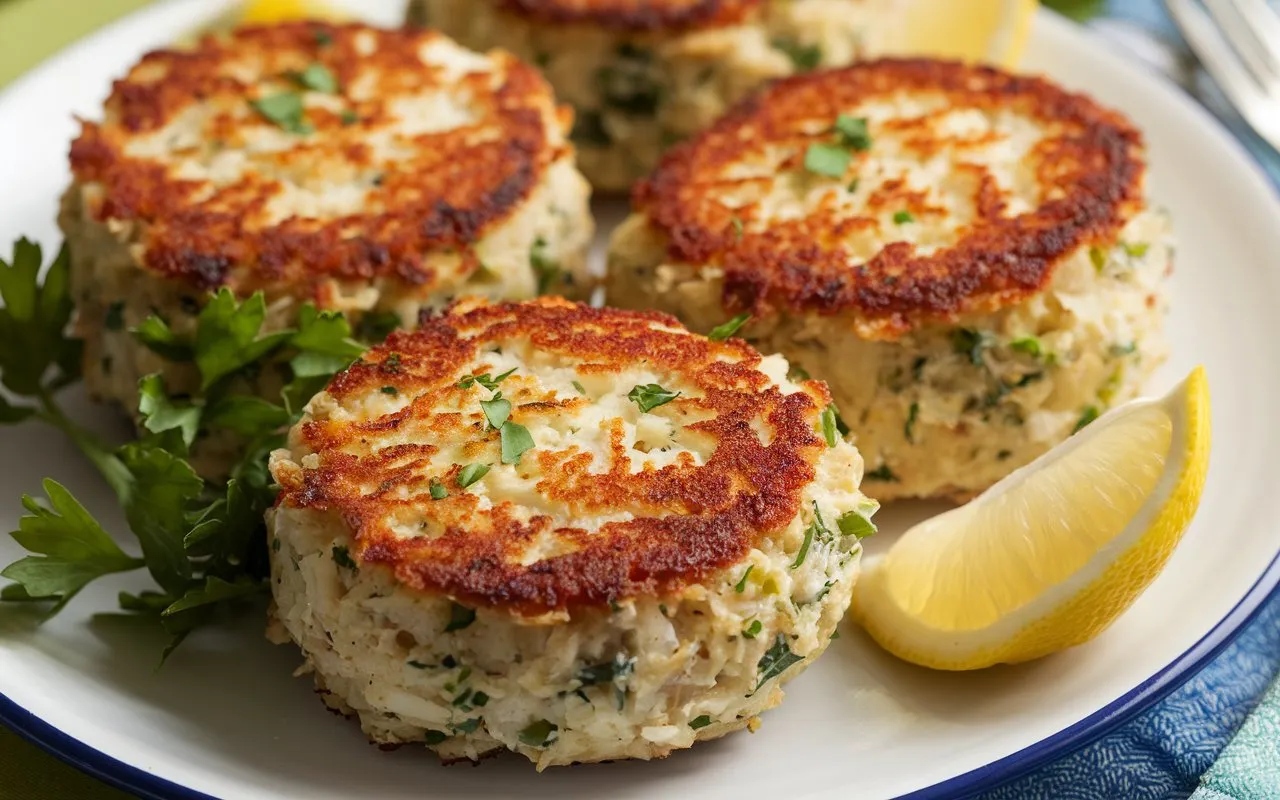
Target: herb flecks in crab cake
{"points": [[642, 74], [372, 172], [967, 257], [579, 534]]}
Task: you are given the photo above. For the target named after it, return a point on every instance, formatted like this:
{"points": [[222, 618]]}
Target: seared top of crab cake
{"points": [[545, 455], [277, 157], [898, 192], [635, 15]]}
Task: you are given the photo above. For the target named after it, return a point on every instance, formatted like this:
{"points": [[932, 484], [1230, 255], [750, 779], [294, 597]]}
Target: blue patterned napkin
{"points": [[1218, 735]]}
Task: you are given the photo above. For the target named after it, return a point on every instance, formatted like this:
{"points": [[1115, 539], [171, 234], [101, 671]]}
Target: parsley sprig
{"points": [[202, 541]]}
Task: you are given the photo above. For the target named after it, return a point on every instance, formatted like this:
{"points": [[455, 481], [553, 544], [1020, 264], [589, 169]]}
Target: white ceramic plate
{"points": [[224, 717]]}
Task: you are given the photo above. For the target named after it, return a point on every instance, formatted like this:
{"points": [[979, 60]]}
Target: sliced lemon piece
{"points": [[990, 31], [1050, 556]]}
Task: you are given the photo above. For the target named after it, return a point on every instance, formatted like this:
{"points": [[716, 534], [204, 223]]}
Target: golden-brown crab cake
{"points": [[642, 74], [373, 172], [965, 256], [579, 534]]}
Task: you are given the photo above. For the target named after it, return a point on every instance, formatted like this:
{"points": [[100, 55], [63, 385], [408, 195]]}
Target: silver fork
{"points": [[1238, 43]]}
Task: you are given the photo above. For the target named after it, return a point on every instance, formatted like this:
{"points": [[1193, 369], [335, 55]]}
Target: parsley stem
{"points": [[98, 452]]}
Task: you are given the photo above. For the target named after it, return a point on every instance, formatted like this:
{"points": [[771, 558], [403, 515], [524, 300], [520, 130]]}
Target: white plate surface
{"points": [[225, 718]]}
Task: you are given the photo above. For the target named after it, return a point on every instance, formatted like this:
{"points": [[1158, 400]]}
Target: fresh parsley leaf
{"points": [[701, 721], [228, 335], [538, 734], [285, 110], [471, 473], [852, 133], [459, 617], [741, 585], [484, 380], [10, 414], [155, 505], [805, 57], [342, 557], [829, 160], [154, 334], [72, 549], [723, 331], [375, 326], [546, 268], [776, 660], [496, 410], [752, 630], [903, 217], [318, 78], [215, 590], [324, 342], [650, 395], [33, 320], [515, 440], [160, 414], [246, 415], [829, 429]]}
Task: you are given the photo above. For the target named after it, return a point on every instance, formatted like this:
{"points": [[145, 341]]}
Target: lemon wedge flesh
{"points": [[988, 31], [1053, 554]]}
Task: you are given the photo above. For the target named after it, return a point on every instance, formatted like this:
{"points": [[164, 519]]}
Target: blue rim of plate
{"points": [[1266, 589]]}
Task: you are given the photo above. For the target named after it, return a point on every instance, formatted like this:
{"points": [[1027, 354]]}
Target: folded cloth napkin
{"points": [[1249, 769]]}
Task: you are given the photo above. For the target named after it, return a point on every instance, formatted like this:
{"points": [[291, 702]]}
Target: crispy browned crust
{"points": [[689, 520], [634, 15], [440, 190], [1089, 166]]}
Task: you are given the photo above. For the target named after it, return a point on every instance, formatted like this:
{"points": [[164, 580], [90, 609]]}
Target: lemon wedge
{"points": [[269, 11], [1053, 554], [988, 31]]}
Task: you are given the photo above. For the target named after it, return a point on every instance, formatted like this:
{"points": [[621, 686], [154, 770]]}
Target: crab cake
{"points": [[373, 172], [642, 74], [965, 256], [579, 534]]}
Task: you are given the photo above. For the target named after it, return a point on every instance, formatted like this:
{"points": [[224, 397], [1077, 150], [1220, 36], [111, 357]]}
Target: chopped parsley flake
{"points": [[1098, 257], [741, 585], [1089, 415], [538, 734], [817, 529], [544, 266], [857, 523], [700, 722], [479, 699], [349, 117], [484, 380], [830, 431], [581, 390], [391, 363], [882, 473], [283, 109], [389, 390], [1027, 344], [650, 395], [459, 617], [438, 492], [776, 660], [342, 557], [318, 78], [805, 57], [1118, 350], [852, 132], [467, 726], [323, 38], [903, 217], [115, 316], [829, 160], [721, 332], [737, 228], [1135, 249], [515, 439], [470, 474], [419, 665], [434, 737], [853, 186], [753, 630], [496, 410], [972, 343], [909, 429]]}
